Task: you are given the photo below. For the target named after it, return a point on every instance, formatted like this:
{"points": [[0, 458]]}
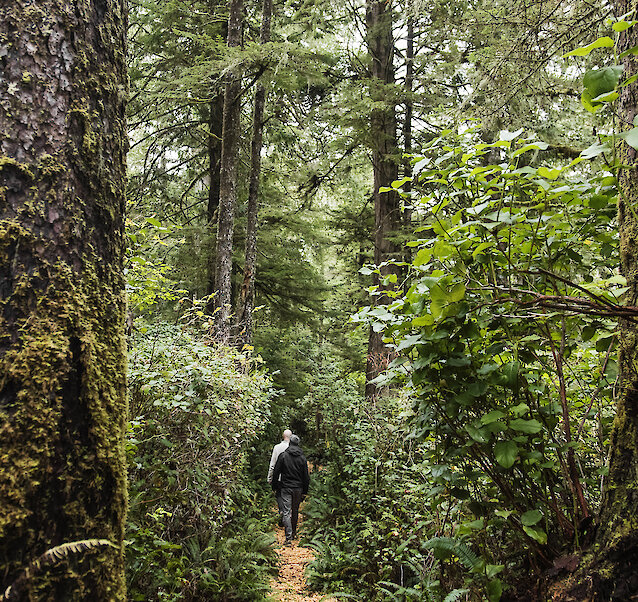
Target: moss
{"points": [[70, 372], [7, 163]]}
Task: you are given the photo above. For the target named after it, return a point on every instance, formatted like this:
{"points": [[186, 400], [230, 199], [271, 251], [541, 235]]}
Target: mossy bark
{"points": [[612, 569], [228, 181], [62, 346]]}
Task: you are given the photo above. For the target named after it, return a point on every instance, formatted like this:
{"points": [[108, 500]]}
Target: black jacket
{"points": [[293, 468]]}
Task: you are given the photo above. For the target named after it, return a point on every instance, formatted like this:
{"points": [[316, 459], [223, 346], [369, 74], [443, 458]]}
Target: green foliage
{"points": [[504, 335], [197, 530]]}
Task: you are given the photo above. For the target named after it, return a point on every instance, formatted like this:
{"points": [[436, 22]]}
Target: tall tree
{"points": [[247, 292], [228, 180], [383, 139], [618, 530], [62, 346]]}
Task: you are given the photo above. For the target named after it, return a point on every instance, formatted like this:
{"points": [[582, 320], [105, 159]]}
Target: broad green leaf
{"points": [[154, 222], [520, 409], [426, 320], [528, 147], [422, 257], [493, 416], [531, 517], [510, 374], [443, 249], [594, 150], [494, 590], [623, 25], [479, 435], [531, 427], [604, 42], [505, 453], [536, 534], [630, 137], [606, 97], [550, 174], [600, 81], [456, 293]]}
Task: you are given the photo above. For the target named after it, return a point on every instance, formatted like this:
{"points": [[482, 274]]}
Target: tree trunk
{"points": [[247, 293], [214, 165], [228, 182], [617, 535], [62, 305], [383, 130], [407, 125]]}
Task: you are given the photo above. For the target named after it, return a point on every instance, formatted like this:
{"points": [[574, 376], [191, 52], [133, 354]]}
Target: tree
{"points": [[617, 536], [247, 293], [62, 347], [383, 131], [228, 180]]}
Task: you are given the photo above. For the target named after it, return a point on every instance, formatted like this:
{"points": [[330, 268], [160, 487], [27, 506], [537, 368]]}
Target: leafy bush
{"points": [[504, 340], [196, 527]]}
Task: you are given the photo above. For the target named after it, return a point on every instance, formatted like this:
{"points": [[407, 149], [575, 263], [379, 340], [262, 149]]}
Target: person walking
{"points": [[292, 467], [277, 450]]}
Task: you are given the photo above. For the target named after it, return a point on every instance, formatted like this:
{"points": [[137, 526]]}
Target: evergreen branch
{"points": [[51, 557]]}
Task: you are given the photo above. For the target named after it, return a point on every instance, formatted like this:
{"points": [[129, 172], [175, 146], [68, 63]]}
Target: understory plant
{"points": [[197, 530], [504, 335]]}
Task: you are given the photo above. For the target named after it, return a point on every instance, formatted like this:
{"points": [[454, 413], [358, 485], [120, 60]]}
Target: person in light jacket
{"points": [[277, 450], [292, 467]]}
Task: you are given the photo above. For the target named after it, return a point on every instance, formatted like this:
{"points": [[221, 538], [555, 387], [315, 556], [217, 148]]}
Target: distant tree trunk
{"points": [[214, 166], [228, 182], [247, 292], [407, 124], [617, 535], [62, 305], [383, 131]]}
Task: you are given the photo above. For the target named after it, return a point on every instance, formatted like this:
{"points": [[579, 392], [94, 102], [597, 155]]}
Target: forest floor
{"points": [[290, 583]]}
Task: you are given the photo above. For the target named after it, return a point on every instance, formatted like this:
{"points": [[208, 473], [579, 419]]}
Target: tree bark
{"points": [[247, 293], [62, 306], [407, 125], [228, 182], [383, 130], [610, 572], [215, 125]]}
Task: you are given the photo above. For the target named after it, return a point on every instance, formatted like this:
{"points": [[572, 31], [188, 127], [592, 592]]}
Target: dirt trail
{"points": [[290, 584]]}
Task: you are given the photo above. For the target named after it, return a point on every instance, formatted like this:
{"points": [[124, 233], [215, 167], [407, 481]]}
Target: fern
{"points": [[453, 547], [455, 595], [50, 557]]}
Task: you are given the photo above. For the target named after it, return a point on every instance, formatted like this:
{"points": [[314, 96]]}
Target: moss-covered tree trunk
{"points": [[246, 302], [614, 574], [62, 347], [385, 157], [228, 182]]}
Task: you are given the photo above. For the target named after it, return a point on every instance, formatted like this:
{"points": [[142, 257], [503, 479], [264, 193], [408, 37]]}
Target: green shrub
{"points": [[195, 527]]}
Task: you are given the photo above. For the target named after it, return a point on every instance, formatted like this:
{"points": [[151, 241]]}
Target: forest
{"points": [[404, 230]]}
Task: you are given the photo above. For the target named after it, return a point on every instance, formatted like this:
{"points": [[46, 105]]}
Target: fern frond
{"points": [[52, 556], [454, 595], [453, 547]]}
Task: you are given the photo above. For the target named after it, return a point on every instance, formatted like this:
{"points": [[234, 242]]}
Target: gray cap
{"points": [[294, 440]]}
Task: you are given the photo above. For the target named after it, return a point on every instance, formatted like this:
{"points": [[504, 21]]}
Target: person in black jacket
{"points": [[295, 479]]}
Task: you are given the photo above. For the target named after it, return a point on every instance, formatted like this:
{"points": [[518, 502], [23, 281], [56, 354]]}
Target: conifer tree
{"points": [[228, 181], [62, 346], [383, 136], [247, 293]]}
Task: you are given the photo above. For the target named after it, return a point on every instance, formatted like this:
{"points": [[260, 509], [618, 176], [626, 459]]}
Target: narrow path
{"points": [[290, 584]]}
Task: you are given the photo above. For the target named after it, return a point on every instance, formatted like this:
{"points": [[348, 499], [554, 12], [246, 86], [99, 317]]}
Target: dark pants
{"points": [[291, 498], [280, 503]]}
